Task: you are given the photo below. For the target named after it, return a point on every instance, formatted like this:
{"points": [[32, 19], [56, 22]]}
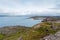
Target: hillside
{"points": [[12, 32], [39, 31]]}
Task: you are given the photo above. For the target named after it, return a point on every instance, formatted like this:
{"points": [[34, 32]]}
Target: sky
{"points": [[26, 7]]}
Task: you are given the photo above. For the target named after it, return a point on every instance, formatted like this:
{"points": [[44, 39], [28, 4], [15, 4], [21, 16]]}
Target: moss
{"points": [[33, 34], [2, 36]]}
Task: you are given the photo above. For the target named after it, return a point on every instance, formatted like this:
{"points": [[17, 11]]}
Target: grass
{"points": [[2, 36], [39, 33], [33, 34]]}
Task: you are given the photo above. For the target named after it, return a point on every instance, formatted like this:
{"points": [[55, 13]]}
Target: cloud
{"points": [[23, 7]]}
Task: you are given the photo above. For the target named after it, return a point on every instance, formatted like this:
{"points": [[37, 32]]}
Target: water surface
{"points": [[13, 21]]}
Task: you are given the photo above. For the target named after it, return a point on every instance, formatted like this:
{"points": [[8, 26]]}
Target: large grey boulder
{"points": [[52, 37]]}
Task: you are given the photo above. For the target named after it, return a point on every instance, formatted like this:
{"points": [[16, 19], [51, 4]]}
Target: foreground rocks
{"points": [[11, 29], [53, 37]]}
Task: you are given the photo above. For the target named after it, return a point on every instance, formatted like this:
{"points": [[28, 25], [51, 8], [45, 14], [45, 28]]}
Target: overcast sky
{"points": [[23, 7]]}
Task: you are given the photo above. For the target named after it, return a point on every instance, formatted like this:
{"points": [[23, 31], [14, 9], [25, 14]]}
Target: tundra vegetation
{"points": [[30, 33]]}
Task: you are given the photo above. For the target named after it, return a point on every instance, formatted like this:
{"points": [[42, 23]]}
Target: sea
{"points": [[21, 21]]}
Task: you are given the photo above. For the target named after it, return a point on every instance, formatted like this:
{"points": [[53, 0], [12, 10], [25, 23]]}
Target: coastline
{"points": [[39, 31]]}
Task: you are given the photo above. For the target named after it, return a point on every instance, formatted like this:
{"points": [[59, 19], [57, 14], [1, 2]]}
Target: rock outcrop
{"points": [[53, 37]]}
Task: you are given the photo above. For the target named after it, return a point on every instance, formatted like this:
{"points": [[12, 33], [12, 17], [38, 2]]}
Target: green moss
{"points": [[2, 36], [44, 30], [33, 34]]}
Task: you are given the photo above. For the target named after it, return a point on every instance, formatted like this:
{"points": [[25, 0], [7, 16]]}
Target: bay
{"points": [[21, 21]]}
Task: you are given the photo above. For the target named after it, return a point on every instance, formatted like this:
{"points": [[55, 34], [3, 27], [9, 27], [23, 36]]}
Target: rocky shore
{"points": [[48, 29]]}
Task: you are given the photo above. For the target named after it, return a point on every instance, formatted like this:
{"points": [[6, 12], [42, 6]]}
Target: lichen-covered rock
{"points": [[53, 37]]}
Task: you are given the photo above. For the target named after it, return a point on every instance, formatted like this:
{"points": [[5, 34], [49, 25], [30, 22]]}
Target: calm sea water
{"points": [[13, 21]]}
